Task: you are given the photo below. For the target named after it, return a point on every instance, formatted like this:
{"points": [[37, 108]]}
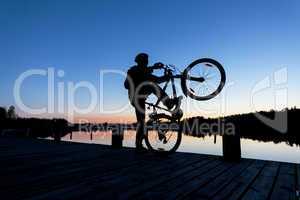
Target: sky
{"points": [[257, 42]]}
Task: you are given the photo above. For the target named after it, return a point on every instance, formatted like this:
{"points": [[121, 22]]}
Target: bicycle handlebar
{"points": [[168, 70]]}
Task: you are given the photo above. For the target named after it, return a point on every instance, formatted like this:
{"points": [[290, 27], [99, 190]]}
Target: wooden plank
{"points": [[82, 174], [64, 168], [70, 177], [262, 186], [33, 174], [285, 185], [20, 150], [63, 177], [161, 187], [162, 190], [132, 176], [94, 171], [240, 184], [199, 180], [215, 186], [298, 181], [82, 186], [53, 158]]}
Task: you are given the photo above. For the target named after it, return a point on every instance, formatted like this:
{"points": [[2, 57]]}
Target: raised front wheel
{"points": [[203, 79]]}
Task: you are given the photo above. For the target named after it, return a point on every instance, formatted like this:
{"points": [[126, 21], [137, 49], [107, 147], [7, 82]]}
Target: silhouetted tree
{"points": [[3, 113], [11, 113]]}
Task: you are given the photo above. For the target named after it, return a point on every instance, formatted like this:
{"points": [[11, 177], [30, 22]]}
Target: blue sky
{"points": [[252, 39]]}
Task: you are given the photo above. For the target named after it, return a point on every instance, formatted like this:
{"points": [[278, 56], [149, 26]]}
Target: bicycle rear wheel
{"points": [[203, 79], [163, 135]]}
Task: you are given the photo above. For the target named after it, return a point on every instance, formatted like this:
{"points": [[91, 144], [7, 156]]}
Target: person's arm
{"points": [[158, 79], [158, 65]]}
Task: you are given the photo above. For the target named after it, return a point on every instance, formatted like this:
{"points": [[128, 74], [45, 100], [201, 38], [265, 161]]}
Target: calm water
{"points": [[250, 148]]}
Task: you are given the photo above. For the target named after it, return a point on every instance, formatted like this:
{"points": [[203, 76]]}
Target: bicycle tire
{"points": [[174, 148], [193, 64]]}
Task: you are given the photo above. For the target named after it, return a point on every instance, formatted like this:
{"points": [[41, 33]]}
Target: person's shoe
{"points": [[170, 103], [141, 150]]}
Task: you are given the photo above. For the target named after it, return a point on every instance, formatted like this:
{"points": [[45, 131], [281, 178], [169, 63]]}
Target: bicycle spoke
{"points": [[207, 69], [207, 86], [208, 75]]}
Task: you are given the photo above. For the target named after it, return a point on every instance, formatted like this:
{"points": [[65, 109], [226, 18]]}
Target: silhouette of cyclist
{"points": [[140, 83]]}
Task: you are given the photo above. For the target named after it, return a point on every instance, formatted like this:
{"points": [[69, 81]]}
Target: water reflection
{"points": [[204, 145]]}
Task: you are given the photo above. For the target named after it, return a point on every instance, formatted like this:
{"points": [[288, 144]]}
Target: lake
{"points": [[250, 148]]}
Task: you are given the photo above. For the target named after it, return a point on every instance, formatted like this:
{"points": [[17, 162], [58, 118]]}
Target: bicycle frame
{"points": [[168, 71]]}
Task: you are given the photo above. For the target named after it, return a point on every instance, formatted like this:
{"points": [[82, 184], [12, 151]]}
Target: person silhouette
{"points": [[140, 83]]}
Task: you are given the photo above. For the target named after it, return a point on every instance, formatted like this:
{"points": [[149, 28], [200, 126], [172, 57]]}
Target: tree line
{"points": [[250, 126], [245, 125], [32, 127]]}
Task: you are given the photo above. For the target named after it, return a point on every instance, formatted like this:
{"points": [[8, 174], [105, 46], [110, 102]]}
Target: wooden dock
{"points": [[40, 169]]}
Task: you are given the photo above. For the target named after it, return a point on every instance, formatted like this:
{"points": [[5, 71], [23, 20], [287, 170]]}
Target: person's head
{"points": [[142, 59]]}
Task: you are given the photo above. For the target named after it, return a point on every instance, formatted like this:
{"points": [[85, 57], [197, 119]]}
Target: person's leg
{"points": [[155, 89], [140, 116]]}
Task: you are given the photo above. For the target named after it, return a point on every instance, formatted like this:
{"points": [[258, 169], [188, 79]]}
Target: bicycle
{"points": [[161, 126]]}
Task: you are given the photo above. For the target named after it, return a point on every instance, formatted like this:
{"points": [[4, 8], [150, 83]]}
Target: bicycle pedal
{"points": [[177, 114]]}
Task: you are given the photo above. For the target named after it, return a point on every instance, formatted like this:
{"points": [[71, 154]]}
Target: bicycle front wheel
{"points": [[203, 79], [163, 135]]}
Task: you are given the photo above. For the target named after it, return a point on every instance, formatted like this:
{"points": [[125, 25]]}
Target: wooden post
{"points": [[215, 139], [117, 136], [231, 148], [91, 132], [298, 181], [57, 136]]}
